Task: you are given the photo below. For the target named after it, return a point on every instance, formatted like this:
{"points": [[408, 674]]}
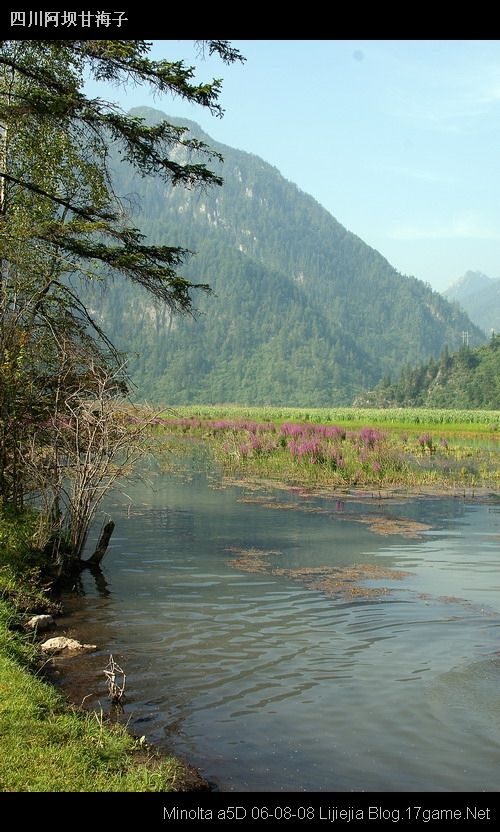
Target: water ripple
{"points": [[267, 684]]}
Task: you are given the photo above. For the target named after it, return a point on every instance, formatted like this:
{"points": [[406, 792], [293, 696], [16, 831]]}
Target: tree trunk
{"points": [[102, 546]]}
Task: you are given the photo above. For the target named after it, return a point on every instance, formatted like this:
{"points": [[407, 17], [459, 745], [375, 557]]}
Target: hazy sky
{"points": [[399, 140]]}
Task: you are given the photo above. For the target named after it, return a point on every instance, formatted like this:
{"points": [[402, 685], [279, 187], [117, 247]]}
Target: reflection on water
{"points": [[266, 681]]}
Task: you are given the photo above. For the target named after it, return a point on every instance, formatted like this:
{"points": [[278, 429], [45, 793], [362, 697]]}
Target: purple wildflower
{"points": [[310, 448], [370, 436], [292, 429]]}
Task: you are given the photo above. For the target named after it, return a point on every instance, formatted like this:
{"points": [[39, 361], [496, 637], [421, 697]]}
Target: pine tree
{"points": [[59, 216]]}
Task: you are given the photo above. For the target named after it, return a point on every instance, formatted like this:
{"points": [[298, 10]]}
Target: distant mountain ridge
{"points": [[303, 311], [479, 296]]}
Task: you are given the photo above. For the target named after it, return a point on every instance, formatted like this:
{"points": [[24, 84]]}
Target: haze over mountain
{"points": [[479, 296], [303, 311]]}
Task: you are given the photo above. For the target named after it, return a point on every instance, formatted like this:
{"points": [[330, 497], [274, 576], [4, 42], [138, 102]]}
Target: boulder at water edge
{"points": [[57, 645], [41, 622]]}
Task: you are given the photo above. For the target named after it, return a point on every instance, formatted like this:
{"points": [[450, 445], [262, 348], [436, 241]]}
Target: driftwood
{"points": [[114, 673], [102, 546]]}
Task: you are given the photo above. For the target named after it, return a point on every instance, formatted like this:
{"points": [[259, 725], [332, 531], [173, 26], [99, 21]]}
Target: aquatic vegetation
{"points": [[344, 581], [393, 525], [251, 560], [317, 453]]}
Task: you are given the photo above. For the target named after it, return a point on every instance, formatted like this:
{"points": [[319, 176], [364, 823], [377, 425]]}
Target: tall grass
{"points": [[416, 417], [310, 452]]}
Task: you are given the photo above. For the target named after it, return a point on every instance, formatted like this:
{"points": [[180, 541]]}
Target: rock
{"points": [[56, 645], [41, 622]]}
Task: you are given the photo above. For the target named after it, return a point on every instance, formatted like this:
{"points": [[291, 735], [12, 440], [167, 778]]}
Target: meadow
{"points": [[346, 447], [405, 417]]}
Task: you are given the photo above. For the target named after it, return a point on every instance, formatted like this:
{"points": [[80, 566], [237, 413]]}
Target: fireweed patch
{"points": [[315, 453]]}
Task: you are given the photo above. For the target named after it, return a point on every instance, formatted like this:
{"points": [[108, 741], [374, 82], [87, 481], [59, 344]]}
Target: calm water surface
{"points": [[265, 683]]}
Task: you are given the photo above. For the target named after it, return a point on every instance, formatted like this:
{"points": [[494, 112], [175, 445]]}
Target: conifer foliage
{"points": [[60, 217]]}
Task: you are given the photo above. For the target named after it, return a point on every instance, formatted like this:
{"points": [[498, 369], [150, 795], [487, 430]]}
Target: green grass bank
{"points": [[46, 745]]}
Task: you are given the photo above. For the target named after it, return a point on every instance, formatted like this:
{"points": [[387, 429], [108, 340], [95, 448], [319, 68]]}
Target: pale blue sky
{"points": [[399, 140]]}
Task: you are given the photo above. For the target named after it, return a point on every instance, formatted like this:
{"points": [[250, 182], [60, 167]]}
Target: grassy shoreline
{"points": [[345, 448], [46, 744]]}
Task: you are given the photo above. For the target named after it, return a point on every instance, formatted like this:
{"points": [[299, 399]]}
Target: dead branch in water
{"points": [[116, 681]]}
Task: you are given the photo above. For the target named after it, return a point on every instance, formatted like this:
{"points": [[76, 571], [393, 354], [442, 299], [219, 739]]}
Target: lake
{"points": [[283, 641]]}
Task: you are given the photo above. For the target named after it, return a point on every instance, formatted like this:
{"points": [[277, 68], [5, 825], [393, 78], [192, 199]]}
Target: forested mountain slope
{"points": [[466, 379], [303, 311]]}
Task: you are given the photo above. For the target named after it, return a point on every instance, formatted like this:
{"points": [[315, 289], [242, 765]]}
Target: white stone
{"points": [[41, 622], [56, 645]]}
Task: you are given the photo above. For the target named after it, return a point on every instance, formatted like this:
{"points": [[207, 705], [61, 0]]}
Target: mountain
{"points": [[303, 312], [479, 296], [469, 378]]}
